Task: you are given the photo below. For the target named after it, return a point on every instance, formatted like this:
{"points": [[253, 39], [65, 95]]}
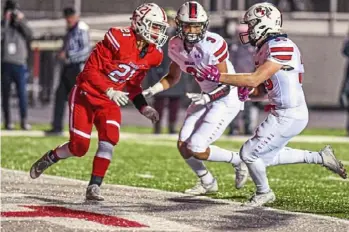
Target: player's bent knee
{"points": [[79, 147], [110, 135], [247, 155], [200, 155], [182, 148], [105, 150]]}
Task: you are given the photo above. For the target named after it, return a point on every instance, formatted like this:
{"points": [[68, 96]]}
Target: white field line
{"points": [[152, 137], [178, 194], [336, 178]]}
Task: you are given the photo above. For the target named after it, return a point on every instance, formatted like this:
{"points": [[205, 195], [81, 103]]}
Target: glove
{"points": [[150, 113], [119, 97], [198, 98], [148, 93], [244, 92], [208, 72]]}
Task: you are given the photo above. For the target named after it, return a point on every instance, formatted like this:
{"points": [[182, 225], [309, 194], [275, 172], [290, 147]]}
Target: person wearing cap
{"points": [[73, 54], [15, 41], [171, 98]]}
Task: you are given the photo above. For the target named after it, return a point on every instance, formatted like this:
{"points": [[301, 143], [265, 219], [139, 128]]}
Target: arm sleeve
{"points": [[219, 92], [139, 101], [25, 31]]}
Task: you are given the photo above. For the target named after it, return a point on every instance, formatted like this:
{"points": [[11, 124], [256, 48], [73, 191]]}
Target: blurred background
{"points": [[319, 28]]}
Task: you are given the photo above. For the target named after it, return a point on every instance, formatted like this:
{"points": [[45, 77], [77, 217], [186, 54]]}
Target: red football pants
{"points": [[86, 110]]}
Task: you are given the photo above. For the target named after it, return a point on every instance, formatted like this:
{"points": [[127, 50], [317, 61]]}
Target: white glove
{"points": [[119, 97], [198, 98], [148, 93], [150, 113]]}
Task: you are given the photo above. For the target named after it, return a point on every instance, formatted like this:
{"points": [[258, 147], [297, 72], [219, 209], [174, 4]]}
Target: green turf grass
{"points": [[301, 188], [148, 130]]}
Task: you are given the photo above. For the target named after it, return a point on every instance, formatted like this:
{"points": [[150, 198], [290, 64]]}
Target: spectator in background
{"points": [[76, 49], [344, 99], [15, 39], [171, 97], [241, 57]]}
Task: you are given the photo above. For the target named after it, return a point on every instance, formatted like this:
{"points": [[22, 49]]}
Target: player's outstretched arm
{"points": [[169, 80], [262, 73]]}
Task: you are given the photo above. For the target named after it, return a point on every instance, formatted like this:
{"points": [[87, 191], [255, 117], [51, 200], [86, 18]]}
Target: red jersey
{"points": [[117, 62]]}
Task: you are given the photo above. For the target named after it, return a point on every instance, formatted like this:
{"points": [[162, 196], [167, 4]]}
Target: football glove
{"points": [[151, 91], [119, 97], [198, 98], [150, 113]]}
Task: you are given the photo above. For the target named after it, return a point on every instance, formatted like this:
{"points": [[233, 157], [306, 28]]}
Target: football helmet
{"points": [[191, 13], [262, 19], [150, 21]]}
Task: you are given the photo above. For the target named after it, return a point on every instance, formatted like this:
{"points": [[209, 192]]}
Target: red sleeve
{"points": [[111, 40], [98, 81], [134, 87], [105, 51]]}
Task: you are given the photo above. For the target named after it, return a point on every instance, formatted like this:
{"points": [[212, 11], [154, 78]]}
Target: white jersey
{"points": [[285, 86], [211, 50]]}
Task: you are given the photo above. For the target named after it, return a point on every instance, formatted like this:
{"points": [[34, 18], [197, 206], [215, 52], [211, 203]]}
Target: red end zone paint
{"points": [[55, 211]]}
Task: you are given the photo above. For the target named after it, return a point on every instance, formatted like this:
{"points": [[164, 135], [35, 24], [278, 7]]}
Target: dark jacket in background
{"points": [[15, 39], [345, 86]]}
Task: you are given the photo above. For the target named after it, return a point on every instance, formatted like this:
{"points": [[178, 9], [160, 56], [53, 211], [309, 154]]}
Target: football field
{"points": [[153, 162]]}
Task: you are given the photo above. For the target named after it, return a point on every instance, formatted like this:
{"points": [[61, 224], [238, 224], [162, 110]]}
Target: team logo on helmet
{"points": [[260, 11]]}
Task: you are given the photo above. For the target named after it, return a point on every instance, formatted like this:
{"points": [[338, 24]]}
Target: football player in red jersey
{"points": [[120, 61]]}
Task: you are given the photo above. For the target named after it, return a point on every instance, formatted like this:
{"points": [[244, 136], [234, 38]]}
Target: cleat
{"points": [[330, 161], [41, 165], [260, 199], [241, 175], [202, 189], [93, 193]]}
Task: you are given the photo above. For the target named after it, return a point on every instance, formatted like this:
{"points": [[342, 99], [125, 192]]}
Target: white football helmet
{"points": [[191, 13], [262, 19], [149, 17]]}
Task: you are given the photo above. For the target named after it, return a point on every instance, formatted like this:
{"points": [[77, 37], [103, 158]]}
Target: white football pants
{"points": [[205, 124], [267, 146]]}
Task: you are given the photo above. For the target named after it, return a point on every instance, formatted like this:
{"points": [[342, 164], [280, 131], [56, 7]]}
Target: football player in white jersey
{"points": [[212, 110], [279, 66]]}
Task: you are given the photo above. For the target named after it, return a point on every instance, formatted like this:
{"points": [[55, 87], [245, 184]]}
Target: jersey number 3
{"points": [[123, 73]]}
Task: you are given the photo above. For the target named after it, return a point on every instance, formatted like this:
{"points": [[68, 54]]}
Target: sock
{"points": [[258, 174], [292, 156], [62, 151], [96, 180], [100, 166], [201, 171], [52, 157], [218, 154]]}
